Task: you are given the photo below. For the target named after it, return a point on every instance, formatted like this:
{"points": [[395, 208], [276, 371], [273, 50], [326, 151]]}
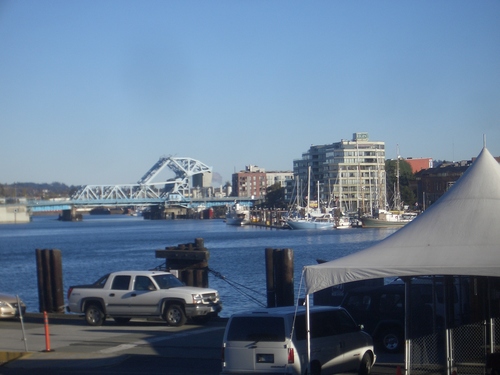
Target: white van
{"points": [[274, 340]]}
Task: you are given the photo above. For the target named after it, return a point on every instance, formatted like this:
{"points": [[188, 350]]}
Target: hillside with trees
{"points": [[31, 190]]}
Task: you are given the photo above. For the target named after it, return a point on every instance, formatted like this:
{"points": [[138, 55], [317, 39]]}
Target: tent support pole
{"points": [[407, 281], [308, 326], [448, 298], [491, 320]]}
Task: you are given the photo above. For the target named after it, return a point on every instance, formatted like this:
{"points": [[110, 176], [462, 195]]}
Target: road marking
{"points": [[121, 347]]}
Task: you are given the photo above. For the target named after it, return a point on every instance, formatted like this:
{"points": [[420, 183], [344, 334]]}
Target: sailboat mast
{"points": [[308, 186], [318, 207], [340, 189], [397, 198], [371, 197]]}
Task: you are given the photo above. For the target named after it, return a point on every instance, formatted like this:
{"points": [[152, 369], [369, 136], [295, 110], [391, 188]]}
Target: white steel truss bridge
{"points": [[146, 191]]}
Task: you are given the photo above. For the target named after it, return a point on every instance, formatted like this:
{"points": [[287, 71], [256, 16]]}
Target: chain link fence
{"points": [[473, 321]]}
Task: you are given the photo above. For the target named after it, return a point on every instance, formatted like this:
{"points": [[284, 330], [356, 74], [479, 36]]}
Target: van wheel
{"points": [[391, 340], [174, 315], [365, 366], [94, 315], [315, 368]]}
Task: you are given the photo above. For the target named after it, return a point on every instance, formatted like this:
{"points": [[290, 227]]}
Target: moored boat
{"points": [[237, 214], [343, 222], [325, 221], [388, 219]]}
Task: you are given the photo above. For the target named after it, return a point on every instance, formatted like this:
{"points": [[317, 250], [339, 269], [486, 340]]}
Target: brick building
{"points": [[419, 163], [250, 183], [432, 183]]}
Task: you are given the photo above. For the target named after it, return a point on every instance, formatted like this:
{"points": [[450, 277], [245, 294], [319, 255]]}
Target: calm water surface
{"points": [[101, 244]]}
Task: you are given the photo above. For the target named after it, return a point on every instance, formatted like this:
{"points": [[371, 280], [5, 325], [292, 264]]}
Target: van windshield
{"points": [[250, 328]]}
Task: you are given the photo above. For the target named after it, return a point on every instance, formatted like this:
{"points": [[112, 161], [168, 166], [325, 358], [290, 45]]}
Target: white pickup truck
{"points": [[133, 294]]}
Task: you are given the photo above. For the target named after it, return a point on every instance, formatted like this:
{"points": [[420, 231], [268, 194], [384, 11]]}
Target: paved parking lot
{"points": [[138, 347]]}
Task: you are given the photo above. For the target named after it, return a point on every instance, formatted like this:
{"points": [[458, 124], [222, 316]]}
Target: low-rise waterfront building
{"points": [[432, 183]]}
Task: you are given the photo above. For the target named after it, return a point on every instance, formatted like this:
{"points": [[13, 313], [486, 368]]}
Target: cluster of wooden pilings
{"points": [[268, 217], [50, 280], [188, 261]]}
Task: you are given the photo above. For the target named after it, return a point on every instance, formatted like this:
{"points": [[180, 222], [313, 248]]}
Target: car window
{"points": [[143, 283], [121, 282], [167, 281], [256, 328]]}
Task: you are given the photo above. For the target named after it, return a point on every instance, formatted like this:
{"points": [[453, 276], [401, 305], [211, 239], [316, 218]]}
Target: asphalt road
{"points": [[139, 347]]}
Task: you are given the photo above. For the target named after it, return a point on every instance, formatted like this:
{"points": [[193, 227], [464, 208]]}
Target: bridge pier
{"points": [[154, 213], [14, 214], [70, 215]]}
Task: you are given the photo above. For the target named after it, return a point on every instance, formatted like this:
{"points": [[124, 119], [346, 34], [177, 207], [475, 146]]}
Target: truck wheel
{"points": [[174, 315], [391, 340], [365, 366], [94, 315]]}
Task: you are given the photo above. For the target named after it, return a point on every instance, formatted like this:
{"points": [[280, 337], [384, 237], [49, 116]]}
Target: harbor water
{"points": [[102, 244]]}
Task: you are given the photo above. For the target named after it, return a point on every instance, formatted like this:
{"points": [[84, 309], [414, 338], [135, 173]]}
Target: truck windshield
{"points": [[167, 281]]}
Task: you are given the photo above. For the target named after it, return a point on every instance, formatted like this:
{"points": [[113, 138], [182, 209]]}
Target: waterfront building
{"points": [[431, 183], [417, 164], [249, 183], [202, 180], [350, 174], [280, 178]]}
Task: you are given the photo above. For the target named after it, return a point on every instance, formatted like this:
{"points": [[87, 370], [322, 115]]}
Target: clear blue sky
{"points": [[94, 92]]}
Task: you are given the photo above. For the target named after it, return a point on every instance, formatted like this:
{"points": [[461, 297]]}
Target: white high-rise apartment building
{"points": [[350, 173]]}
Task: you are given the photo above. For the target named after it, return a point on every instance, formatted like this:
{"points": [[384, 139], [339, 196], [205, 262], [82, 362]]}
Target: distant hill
{"points": [[39, 191]]}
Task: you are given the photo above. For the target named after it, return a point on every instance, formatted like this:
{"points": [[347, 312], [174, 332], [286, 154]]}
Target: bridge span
{"points": [[196, 204], [174, 192]]}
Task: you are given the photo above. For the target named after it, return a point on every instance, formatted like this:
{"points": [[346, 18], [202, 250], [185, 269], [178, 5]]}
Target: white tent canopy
{"points": [[458, 235]]}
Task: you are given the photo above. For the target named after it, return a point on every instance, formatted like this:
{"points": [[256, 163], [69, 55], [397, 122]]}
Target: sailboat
{"points": [[312, 220], [390, 219]]}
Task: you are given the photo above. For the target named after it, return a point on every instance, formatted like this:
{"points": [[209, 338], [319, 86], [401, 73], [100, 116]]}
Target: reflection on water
{"points": [[99, 245]]}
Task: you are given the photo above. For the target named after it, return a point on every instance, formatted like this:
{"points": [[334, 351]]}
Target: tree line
{"points": [[31, 190]]}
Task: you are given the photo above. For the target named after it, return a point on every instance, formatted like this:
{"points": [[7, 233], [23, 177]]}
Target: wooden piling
{"points": [[288, 288], [271, 292], [279, 277], [50, 280]]}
